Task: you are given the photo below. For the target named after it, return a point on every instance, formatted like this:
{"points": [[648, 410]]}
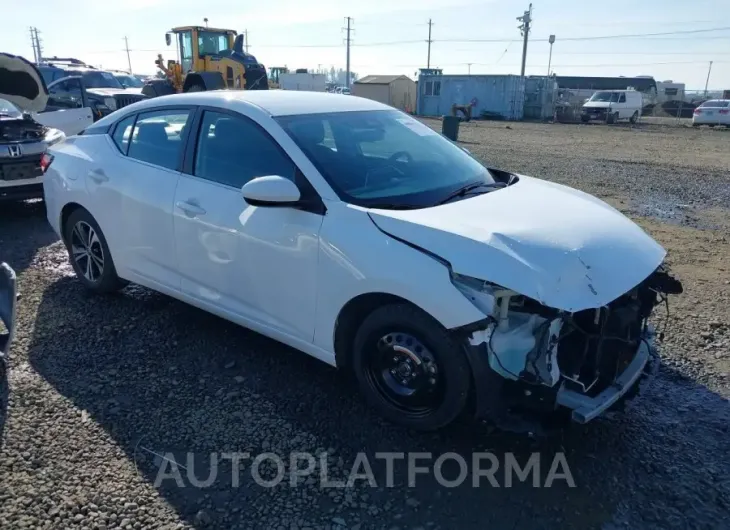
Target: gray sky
{"points": [[302, 34]]}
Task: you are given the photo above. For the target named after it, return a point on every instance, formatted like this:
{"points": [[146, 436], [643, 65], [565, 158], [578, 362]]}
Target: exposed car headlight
{"points": [[486, 296], [111, 103]]}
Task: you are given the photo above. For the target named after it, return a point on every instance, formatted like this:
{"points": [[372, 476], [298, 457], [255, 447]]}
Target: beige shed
{"points": [[398, 91]]}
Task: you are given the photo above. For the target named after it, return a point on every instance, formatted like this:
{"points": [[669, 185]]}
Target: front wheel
{"points": [[89, 253], [409, 369]]}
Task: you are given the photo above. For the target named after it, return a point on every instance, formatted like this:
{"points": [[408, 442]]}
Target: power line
{"points": [[681, 32]]}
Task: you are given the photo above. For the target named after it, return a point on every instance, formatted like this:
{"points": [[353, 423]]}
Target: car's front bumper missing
{"points": [[585, 408], [521, 406]]}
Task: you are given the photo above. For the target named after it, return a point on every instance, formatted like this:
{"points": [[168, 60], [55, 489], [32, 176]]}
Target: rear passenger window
{"points": [[233, 150], [157, 137], [123, 133]]}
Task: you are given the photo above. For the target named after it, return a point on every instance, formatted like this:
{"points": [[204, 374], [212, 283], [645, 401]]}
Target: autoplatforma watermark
{"points": [[450, 470]]}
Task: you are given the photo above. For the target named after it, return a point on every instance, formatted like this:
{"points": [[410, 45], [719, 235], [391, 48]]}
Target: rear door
{"points": [[136, 183]]}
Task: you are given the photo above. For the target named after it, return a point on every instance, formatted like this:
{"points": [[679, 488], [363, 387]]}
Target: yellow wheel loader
{"points": [[207, 59]]}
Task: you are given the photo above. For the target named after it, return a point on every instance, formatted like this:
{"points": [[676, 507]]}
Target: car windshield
{"points": [[96, 79], [607, 97], [384, 159], [716, 103], [129, 81], [8, 110]]}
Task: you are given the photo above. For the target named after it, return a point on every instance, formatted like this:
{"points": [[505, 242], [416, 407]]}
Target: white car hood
{"points": [[114, 91], [559, 246], [597, 104], [22, 84]]}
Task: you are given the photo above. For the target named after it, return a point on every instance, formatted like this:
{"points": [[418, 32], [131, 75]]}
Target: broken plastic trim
{"points": [[586, 408]]}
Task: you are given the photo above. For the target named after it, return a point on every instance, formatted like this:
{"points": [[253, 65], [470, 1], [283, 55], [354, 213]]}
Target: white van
{"points": [[613, 105]]}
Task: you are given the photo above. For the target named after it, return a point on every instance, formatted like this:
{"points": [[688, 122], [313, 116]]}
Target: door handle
{"points": [[98, 176], [190, 208]]}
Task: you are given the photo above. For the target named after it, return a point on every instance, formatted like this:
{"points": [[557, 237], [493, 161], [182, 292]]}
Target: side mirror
{"points": [[168, 39], [272, 190]]}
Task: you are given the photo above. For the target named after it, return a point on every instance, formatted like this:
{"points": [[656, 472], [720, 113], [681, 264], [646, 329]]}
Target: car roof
{"points": [[272, 102]]}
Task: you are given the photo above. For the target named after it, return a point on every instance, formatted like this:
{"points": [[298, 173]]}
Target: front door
{"points": [[68, 109], [254, 263]]}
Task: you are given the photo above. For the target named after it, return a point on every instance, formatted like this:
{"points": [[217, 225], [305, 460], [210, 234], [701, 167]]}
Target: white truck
{"points": [[27, 128], [303, 82]]}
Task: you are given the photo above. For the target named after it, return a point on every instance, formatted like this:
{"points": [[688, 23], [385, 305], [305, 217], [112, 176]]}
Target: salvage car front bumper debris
{"points": [[533, 364]]}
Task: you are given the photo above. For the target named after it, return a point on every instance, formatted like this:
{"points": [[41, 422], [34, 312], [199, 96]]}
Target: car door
{"points": [[67, 108], [134, 186], [622, 106], [252, 264]]}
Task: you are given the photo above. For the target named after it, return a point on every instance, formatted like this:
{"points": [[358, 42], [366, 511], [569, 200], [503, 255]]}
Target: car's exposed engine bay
{"points": [[545, 358]]}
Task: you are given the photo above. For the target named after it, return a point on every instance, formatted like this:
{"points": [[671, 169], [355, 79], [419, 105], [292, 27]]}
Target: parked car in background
{"points": [[100, 88], [355, 233], [712, 112], [611, 106], [28, 126], [128, 80]]}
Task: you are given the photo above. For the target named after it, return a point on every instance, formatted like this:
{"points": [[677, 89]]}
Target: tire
{"points": [[584, 119], [95, 268], [196, 88], [634, 117], [442, 378]]}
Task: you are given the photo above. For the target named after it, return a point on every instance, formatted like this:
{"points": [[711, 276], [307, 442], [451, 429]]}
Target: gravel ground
{"points": [[101, 387]]}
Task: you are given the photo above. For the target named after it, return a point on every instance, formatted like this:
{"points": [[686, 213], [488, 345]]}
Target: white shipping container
{"points": [[306, 82]]}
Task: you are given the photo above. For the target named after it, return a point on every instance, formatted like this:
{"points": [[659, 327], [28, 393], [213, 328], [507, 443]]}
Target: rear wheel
{"points": [[409, 369], [634, 117], [89, 253]]}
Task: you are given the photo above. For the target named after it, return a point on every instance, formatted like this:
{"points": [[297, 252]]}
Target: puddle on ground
{"points": [[671, 211]]}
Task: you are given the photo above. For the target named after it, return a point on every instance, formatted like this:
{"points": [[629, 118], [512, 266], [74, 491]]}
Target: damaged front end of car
{"points": [[534, 364]]}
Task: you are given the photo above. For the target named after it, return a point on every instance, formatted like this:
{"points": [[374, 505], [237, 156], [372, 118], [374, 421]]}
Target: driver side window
{"points": [[65, 95], [233, 150], [622, 98]]}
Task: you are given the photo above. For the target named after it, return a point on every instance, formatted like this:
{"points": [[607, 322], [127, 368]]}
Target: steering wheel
{"points": [[399, 155]]}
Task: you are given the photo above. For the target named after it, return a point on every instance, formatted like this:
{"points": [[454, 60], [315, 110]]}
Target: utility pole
{"points": [[129, 60], [708, 78], [526, 20], [347, 68], [428, 59], [36, 44], [551, 40], [245, 35]]}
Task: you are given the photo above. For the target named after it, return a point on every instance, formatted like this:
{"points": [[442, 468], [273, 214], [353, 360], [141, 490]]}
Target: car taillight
{"points": [[46, 160], [725, 111], [697, 111]]}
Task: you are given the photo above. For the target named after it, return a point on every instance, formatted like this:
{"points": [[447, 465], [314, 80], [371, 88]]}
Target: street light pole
{"points": [[551, 40]]}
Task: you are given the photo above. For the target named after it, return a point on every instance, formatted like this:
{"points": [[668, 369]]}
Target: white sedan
{"points": [[712, 112], [356, 234]]}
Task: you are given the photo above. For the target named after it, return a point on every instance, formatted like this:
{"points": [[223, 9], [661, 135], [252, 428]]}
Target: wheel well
{"points": [[66, 212], [350, 318]]}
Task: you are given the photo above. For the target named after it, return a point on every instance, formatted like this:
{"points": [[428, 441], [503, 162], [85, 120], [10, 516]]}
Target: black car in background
{"points": [[72, 83]]}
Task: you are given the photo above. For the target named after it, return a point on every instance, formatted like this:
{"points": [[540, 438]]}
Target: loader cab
{"points": [[195, 43]]}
